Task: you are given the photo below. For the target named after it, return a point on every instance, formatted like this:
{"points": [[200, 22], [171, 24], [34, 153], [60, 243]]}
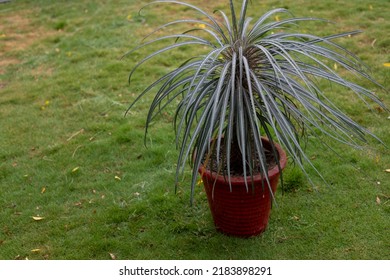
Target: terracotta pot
{"points": [[240, 212]]}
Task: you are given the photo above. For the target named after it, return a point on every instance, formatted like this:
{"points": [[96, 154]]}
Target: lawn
{"points": [[77, 182]]}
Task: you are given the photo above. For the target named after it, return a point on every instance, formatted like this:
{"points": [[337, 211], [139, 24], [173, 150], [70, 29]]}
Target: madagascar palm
{"points": [[256, 78]]}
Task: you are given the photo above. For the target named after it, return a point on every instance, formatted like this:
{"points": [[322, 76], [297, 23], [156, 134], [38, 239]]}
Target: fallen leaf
{"points": [[118, 178], [335, 67], [75, 134], [378, 200], [75, 169], [387, 64], [35, 250], [43, 190], [79, 203], [387, 170], [379, 109], [112, 256], [37, 218]]}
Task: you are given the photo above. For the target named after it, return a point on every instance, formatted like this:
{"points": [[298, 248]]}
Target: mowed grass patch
{"points": [[77, 182]]}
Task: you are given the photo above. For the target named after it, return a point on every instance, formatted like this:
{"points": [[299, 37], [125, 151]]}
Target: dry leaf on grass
{"points": [[37, 218]]}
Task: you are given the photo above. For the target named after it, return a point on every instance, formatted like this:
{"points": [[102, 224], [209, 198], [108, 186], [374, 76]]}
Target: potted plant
{"points": [[252, 89]]}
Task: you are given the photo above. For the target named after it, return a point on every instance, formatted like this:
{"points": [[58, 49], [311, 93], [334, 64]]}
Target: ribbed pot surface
{"points": [[241, 212]]}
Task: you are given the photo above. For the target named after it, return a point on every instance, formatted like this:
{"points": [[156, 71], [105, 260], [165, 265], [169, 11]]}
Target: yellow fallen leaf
{"points": [[277, 18], [378, 200], [75, 169], [118, 178], [387, 64], [335, 67], [43, 190], [387, 170], [35, 250], [112, 256], [79, 203], [37, 218]]}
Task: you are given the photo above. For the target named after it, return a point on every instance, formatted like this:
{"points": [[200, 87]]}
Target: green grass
{"points": [[68, 154]]}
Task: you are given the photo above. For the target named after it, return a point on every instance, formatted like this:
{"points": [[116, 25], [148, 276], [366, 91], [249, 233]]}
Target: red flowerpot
{"points": [[242, 212]]}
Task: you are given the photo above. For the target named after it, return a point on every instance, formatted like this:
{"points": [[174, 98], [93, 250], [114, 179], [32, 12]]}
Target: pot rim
{"points": [[240, 180]]}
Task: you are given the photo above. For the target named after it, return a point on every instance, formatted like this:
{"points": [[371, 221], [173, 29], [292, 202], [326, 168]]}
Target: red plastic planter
{"points": [[240, 212]]}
